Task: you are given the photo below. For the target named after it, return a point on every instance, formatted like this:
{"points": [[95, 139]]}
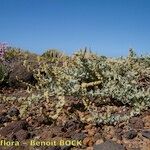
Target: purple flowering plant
{"points": [[3, 48]]}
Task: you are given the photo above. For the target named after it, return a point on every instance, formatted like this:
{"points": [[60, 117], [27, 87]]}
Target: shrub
{"points": [[3, 74], [3, 48], [97, 81]]}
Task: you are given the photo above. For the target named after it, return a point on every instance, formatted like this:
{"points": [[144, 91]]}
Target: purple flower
{"points": [[3, 48]]}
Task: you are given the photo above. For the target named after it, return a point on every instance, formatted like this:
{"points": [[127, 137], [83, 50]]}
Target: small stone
{"points": [[22, 135], [89, 126], [44, 120], [91, 132], [109, 145], [97, 136], [99, 141], [72, 125], [78, 136], [88, 141], [118, 133], [136, 123], [146, 121], [131, 134], [4, 119], [109, 132], [146, 134], [2, 108], [13, 112], [65, 147]]}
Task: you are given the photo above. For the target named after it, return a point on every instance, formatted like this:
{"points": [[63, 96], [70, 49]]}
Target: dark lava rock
{"points": [[146, 134], [19, 71], [78, 136], [136, 123], [13, 128], [131, 134], [66, 147], [53, 131], [13, 112], [4, 118], [44, 120], [72, 125], [119, 133], [109, 145], [22, 135], [77, 106]]}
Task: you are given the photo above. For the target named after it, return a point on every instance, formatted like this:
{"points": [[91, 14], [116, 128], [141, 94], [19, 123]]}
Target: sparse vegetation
{"points": [[96, 80]]}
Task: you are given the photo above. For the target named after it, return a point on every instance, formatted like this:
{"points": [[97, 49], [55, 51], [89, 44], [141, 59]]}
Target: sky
{"points": [[107, 27]]}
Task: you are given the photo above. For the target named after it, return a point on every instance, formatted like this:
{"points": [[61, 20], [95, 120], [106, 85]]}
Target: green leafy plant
{"points": [[96, 80], [2, 73]]}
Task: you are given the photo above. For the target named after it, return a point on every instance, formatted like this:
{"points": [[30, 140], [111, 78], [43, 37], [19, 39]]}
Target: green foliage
{"points": [[105, 80], [3, 73], [17, 54], [53, 54], [96, 80]]}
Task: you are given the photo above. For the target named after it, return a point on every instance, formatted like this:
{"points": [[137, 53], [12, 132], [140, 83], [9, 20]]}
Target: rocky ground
{"points": [[130, 135]]}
